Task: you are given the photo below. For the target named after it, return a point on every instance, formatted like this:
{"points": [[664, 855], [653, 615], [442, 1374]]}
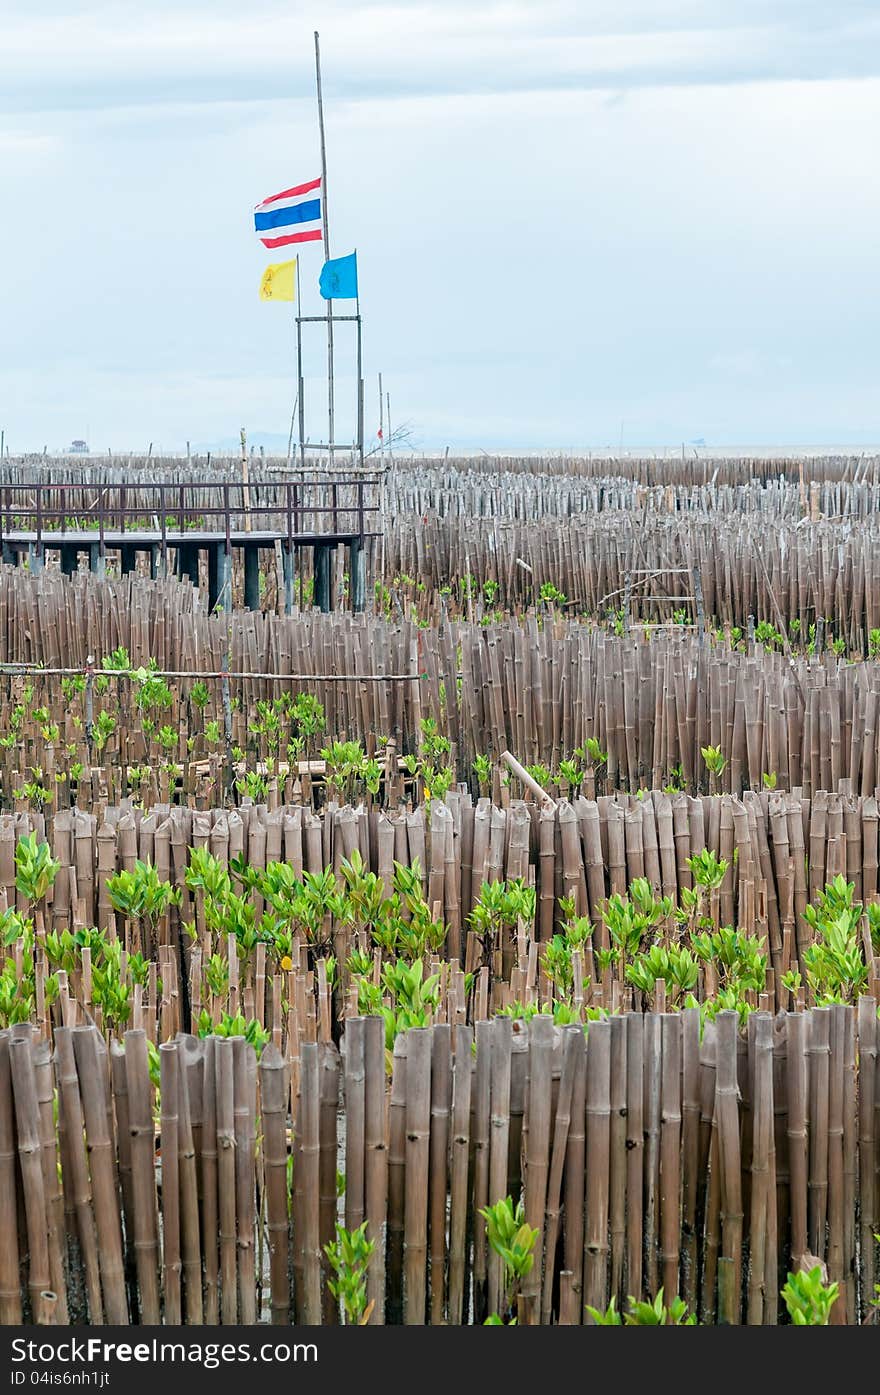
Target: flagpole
{"points": [[360, 388], [326, 224], [299, 373]]}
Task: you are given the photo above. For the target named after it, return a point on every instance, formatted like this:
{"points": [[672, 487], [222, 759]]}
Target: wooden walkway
{"points": [[130, 516]]}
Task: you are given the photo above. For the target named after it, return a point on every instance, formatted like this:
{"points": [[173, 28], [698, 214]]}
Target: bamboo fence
{"points": [[537, 686], [645, 1154], [780, 852]]}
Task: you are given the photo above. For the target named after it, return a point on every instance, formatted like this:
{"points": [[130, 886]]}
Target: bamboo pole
{"points": [[10, 1295], [227, 1192], [598, 1111], [309, 1163], [51, 1179], [499, 1138], [244, 1072], [441, 1091], [375, 1161], [172, 1265], [561, 1127], [273, 1091], [462, 1078], [146, 1238], [189, 1195], [726, 1097], [24, 1092], [210, 1170], [355, 1105], [670, 1152], [418, 1128], [481, 1130]]}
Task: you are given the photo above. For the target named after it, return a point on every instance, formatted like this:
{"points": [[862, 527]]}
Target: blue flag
{"points": [[339, 278]]}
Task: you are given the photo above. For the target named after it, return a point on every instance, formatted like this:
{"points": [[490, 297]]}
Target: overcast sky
{"points": [[578, 222]]}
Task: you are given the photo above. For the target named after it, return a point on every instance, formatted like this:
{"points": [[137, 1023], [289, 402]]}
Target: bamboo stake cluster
{"points": [[645, 1153]]}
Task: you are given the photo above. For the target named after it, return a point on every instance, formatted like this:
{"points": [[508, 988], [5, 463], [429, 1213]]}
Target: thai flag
{"points": [[294, 215]]}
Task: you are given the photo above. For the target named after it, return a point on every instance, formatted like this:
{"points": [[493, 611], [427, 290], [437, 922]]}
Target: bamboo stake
{"points": [[418, 1126], [558, 1155], [227, 1192], [10, 1296], [726, 1096], [598, 1110], [441, 1089], [670, 1154], [146, 1237], [244, 1070], [460, 1145], [172, 1266], [375, 1161], [189, 1195], [209, 1181]]}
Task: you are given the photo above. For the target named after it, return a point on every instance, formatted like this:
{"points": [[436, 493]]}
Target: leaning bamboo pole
{"points": [[96, 1105], [24, 1091]]}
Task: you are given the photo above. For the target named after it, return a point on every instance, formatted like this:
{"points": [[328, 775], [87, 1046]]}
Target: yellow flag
{"points": [[279, 281]]}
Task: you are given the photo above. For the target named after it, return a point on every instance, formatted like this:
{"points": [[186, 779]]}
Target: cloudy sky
{"points": [[579, 223]]}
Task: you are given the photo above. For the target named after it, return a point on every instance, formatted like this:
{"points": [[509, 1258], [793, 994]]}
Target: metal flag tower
{"points": [[356, 448]]}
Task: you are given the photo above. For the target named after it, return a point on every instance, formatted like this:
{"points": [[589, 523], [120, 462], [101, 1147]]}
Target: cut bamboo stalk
{"points": [[10, 1296], [51, 1178], [24, 1092], [462, 1077], [226, 1181], [172, 1265], [441, 1089], [209, 1182], [690, 1144], [189, 1195], [762, 1141], [635, 1144], [354, 1087], [146, 1237], [273, 1091], [867, 1027], [726, 1106], [818, 1056], [561, 1127], [481, 1127], [95, 1096], [308, 1161], [244, 1068], [670, 1152], [499, 1138], [418, 1132], [598, 1113], [396, 1182], [376, 1161], [651, 1070]]}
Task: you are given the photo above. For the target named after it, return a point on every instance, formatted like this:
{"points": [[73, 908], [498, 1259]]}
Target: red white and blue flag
{"points": [[294, 215]]}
